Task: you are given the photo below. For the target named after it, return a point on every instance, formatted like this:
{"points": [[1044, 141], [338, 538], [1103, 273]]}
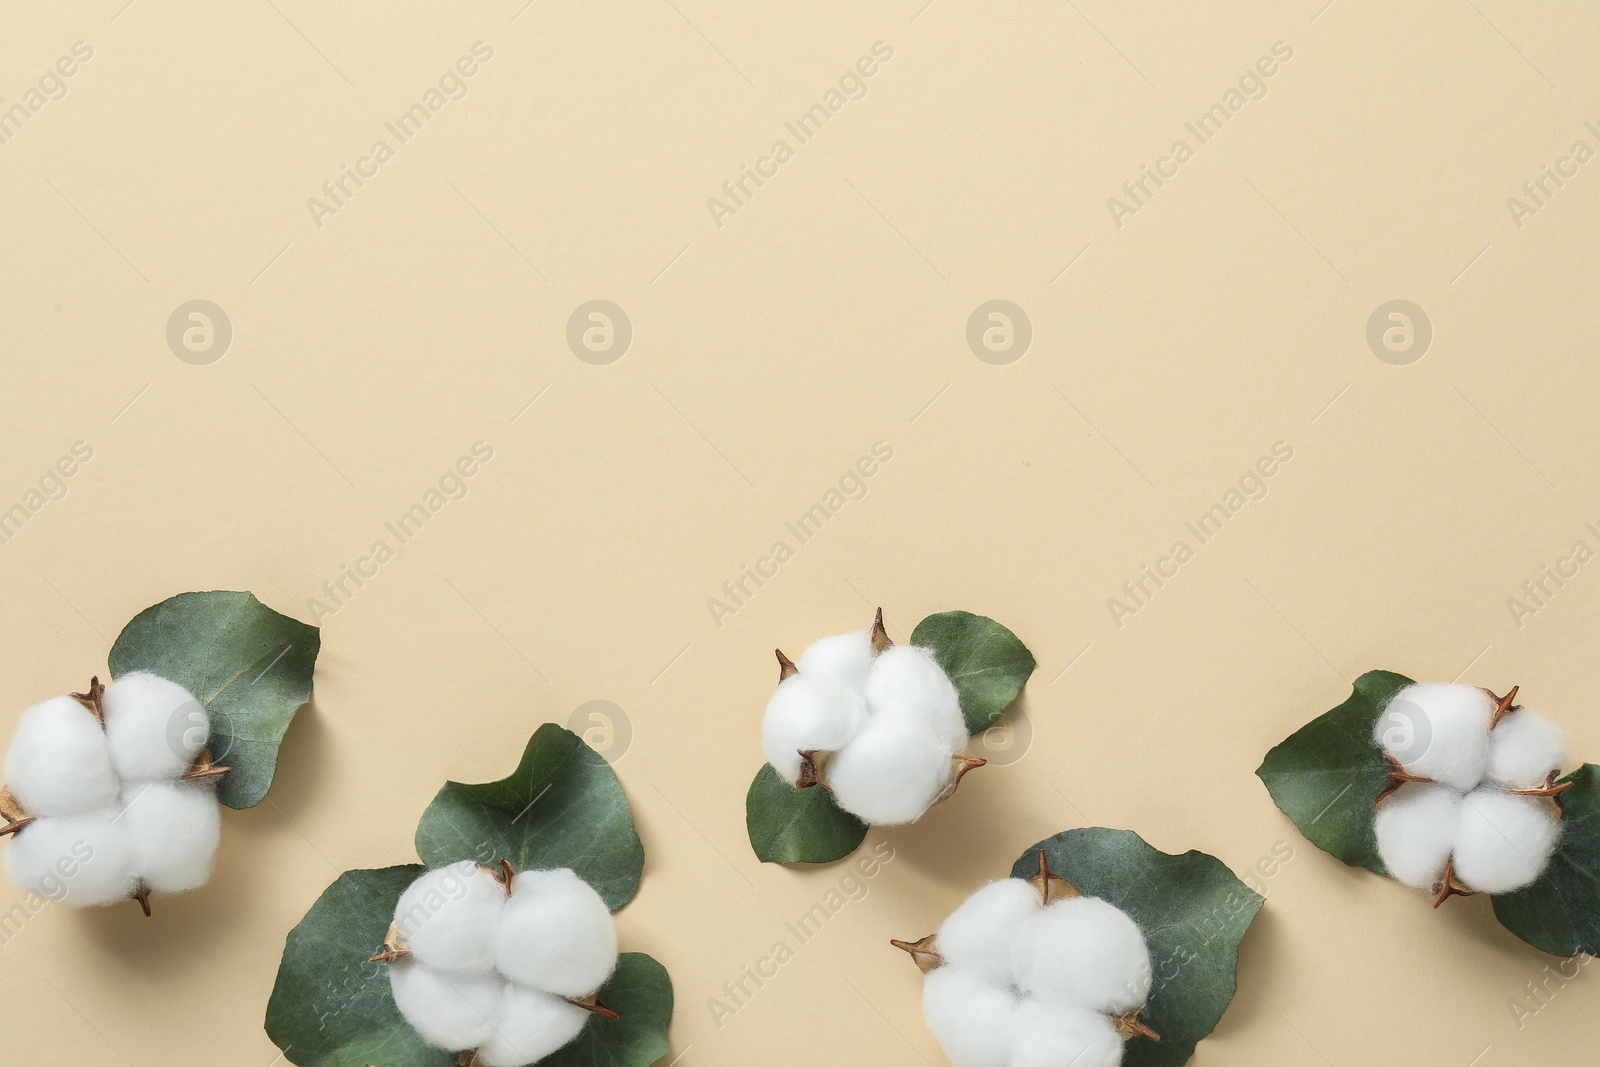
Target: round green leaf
{"points": [[1560, 913], [329, 1006], [984, 659], [561, 807], [1328, 774], [789, 825], [248, 665], [1193, 912]]}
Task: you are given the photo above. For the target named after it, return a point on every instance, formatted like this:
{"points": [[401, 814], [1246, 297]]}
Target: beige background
{"points": [[829, 313]]}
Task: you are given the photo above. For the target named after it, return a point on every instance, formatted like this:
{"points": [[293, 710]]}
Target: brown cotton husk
{"points": [[1051, 887], [923, 953], [92, 699], [880, 636], [394, 947]]}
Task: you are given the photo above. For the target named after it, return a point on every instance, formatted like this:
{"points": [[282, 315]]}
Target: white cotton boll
{"points": [[808, 713], [1416, 831], [845, 658], [173, 828], [1524, 749], [448, 917], [978, 936], [1049, 1035], [890, 773], [79, 860], [906, 682], [1504, 841], [973, 1020], [1438, 731], [1085, 953], [155, 728], [556, 934], [450, 1011], [58, 763], [530, 1026]]}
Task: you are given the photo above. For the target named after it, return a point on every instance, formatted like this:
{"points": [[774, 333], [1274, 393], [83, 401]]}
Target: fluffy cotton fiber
{"points": [[1416, 828], [890, 724], [809, 713], [1466, 816], [112, 790], [497, 971], [1439, 731], [1025, 985], [556, 934], [58, 763], [154, 728], [1504, 841]]}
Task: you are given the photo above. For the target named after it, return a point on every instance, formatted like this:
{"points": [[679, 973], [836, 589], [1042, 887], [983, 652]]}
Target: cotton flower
{"points": [[503, 963], [112, 794], [877, 725], [1472, 805], [1028, 973]]}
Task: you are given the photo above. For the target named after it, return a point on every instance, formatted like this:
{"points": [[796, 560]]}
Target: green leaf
{"points": [[789, 825], [561, 807], [250, 666], [1193, 912], [1328, 774], [640, 992], [329, 1006], [984, 659], [332, 1008], [1560, 913]]}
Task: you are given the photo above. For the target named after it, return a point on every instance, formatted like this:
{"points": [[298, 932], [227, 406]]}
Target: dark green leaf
{"points": [[561, 807], [1328, 774], [250, 666], [984, 659], [641, 994], [1193, 912], [789, 825], [1560, 913], [330, 1007]]}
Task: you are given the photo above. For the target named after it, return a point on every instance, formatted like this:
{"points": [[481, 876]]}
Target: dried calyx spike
{"points": [[1013, 966], [878, 726], [1451, 817]]}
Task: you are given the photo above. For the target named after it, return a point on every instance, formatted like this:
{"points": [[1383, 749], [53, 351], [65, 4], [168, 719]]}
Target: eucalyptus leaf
{"points": [[561, 807], [640, 992], [1328, 774], [1193, 912], [789, 825], [247, 664], [986, 661], [329, 1006], [1560, 913]]}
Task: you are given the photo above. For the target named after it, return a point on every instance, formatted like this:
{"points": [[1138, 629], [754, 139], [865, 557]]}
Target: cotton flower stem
{"points": [[394, 946], [91, 699], [1448, 887], [812, 763], [204, 768], [1398, 776], [923, 954], [960, 765], [1051, 887], [880, 636], [1129, 1025], [786, 667], [1502, 705], [142, 895], [591, 1003]]}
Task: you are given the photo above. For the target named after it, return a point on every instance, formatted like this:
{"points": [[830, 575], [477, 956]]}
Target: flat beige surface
{"points": [[377, 339]]}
